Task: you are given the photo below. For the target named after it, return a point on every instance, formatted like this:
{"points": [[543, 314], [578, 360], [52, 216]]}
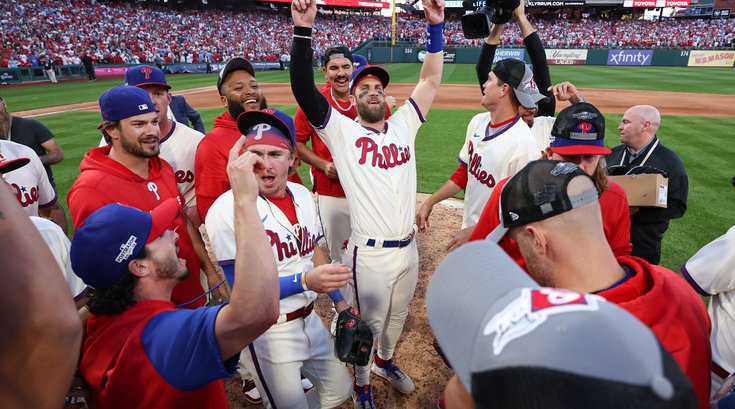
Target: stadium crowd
{"points": [[113, 33]]}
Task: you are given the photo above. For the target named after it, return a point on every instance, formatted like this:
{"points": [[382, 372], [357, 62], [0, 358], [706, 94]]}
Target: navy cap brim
{"points": [[158, 84], [247, 120], [374, 70]]}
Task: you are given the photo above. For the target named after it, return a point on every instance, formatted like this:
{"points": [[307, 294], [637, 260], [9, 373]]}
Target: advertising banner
{"points": [[11, 75], [503, 53], [566, 57], [711, 58], [717, 13], [117, 71], [650, 4], [345, 3], [450, 55], [555, 3], [629, 57]]}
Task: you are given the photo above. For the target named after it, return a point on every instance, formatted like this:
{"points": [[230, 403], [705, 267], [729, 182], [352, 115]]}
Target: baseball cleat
{"points": [[393, 374], [362, 396], [251, 393]]}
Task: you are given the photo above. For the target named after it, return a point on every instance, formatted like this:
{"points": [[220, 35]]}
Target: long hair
{"points": [[600, 176], [118, 296]]}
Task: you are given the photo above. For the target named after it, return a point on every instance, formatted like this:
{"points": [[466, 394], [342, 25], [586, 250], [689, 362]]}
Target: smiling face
{"points": [[272, 180], [241, 93], [138, 136], [370, 100], [338, 72]]}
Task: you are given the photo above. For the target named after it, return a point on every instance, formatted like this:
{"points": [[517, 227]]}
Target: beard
{"points": [[136, 150], [5, 120], [170, 269], [234, 108], [371, 113]]}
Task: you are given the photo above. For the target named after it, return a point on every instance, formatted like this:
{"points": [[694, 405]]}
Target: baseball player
{"points": [[298, 343], [497, 144], [375, 161], [334, 212], [178, 141], [240, 92], [710, 273], [577, 137], [129, 171], [30, 183], [143, 352]]}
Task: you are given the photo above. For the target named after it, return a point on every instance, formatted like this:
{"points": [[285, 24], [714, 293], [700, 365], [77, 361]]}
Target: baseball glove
{"points": [[354, 339]]}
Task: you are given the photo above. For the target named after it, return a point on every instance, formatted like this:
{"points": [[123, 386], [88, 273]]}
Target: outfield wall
{"points": [[611, 57]]}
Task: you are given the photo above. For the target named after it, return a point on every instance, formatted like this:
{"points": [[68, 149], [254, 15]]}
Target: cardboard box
{"points": [[644, 190]]}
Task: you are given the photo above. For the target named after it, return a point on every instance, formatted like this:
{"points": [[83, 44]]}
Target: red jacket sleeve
{"points": [[210, 176], [616, 219], [82, 202], [303, 127]]}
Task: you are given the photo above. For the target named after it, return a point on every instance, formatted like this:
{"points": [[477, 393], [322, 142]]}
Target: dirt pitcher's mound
{"points": [[414, 354]]}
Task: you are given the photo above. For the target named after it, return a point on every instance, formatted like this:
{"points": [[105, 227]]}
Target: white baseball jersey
{"points": [[60, 245], [711, 271], [178, 148], [491, 156], [292, 245], [377, 170], [541, 130], [30, 182]]}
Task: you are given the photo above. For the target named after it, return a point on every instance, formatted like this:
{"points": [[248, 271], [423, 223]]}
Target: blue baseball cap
{"points": [[579, 129], [366, 71], [142, 75], [359, 61], [281, 124], [123, 102], [113, 235]]}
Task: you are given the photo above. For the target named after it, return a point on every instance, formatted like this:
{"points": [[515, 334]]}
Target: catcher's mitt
{"points": [[354, 339]]}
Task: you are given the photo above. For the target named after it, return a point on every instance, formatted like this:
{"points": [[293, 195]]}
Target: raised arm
{"points": [[314, 105], [536, 53], [487, 55], [254, 302], [431, 70]]}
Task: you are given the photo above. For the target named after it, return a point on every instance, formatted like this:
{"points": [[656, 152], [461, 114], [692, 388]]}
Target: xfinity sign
{"points": [[629, 57]]}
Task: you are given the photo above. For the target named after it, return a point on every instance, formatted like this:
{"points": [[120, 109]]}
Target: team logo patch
{"points": [[563, 168], [531, 309], [584, 131], [142, 107], [584, 116], [126, 249], [269, 111], [146, 72]]}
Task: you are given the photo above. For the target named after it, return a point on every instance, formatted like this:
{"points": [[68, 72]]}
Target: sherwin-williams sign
{"points": [[703, 58], [629, 57], [503, 53]]}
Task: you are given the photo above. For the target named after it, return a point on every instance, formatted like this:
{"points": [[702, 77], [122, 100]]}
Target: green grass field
{"points": [[676, 79], [706, 145]]}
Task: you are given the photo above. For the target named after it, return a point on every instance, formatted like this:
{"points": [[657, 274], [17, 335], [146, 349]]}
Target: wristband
{"points": [[434, 38], [302, 32], [336, 296], [290, 285], [303, 281]]}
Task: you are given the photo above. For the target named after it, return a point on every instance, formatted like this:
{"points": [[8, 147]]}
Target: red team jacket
{"points": [[666, 303], [153, 355], [210, 163], [615, 222], [103, 181]]}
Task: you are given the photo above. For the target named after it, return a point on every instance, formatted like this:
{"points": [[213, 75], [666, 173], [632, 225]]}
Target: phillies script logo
{"points": [[25, 197], [475, 165], [289, 247], [184, 176], [147, 72], [384, 157]]}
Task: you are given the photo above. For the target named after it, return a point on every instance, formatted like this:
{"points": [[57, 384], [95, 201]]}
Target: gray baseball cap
{"points": [[515, 344], [519, 76]]}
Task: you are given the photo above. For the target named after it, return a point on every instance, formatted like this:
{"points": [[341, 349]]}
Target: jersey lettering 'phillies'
{"points": [[475, 165], [293, 244], [386, 157], [384, 160], [30, 183], [490, 154]]}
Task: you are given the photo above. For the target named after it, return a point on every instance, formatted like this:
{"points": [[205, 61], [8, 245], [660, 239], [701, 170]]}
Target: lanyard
{"points": [[625, 151]]}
